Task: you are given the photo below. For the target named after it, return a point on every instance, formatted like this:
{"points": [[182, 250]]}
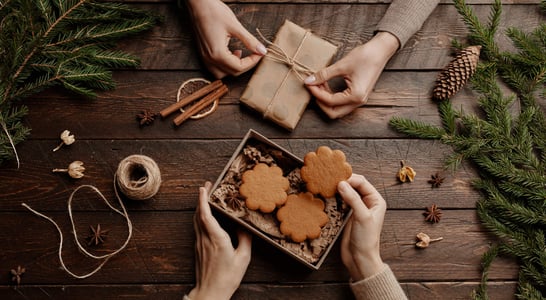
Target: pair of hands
{"points": [[220, 267], [215, 24]]}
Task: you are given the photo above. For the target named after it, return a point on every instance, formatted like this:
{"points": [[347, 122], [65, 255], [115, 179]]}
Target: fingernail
{"points": [[343, 186], [261, 49], [309, 79]]}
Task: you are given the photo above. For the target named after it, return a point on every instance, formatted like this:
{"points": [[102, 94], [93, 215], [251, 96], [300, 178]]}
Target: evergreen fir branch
{"points": [[45, 43], [449, 117], [487, 259], [517, 213], [480, 34], [508, 147], [416, 128]]}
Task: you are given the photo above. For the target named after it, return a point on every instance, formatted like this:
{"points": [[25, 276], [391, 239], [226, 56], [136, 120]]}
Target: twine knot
{"points": [[277, 53]]}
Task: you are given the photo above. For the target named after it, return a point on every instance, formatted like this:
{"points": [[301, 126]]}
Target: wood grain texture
{"points": [[159, 260], [331, 291], [187, 164], [172, 46], [161, 250]]}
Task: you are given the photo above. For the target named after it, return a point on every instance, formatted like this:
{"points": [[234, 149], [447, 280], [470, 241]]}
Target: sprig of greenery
{"points": [[507, 147], [44, 43]]}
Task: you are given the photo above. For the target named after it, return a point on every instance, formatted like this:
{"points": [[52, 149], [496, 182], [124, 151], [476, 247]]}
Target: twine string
{"points": [[138, 177], [277, 54], [140, 183], [5, 128]]}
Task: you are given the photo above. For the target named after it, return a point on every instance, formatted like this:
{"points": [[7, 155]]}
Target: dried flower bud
{"points": [[405, 173], [75, 169], [424, 240], [67, 139]]}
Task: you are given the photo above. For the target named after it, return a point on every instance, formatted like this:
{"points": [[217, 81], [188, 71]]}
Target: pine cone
{"points": [[457, 73]]}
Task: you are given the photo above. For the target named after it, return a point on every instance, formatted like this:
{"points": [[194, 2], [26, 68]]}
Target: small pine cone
{"points": [[457, 73]]}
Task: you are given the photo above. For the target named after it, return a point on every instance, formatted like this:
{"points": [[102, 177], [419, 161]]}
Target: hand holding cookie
{"points": [[324, 169], [360, 243]]}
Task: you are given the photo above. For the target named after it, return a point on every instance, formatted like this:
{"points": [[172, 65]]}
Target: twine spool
{"points": [[138, 177]]}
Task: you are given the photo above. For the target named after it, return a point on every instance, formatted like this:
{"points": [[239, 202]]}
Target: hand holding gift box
{"points": [[276, 89]]}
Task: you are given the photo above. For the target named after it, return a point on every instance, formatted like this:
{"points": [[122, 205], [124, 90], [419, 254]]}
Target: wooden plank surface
{"points": [[158, 262]]}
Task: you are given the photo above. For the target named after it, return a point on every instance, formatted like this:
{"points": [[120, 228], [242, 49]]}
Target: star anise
{"points": [[233, 201], [97, 235], [433, 214], [146, 117], [436, 180], [16, 274]]}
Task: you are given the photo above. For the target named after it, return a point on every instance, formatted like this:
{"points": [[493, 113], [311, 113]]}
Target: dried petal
{"points": [[67, 139], [424, 240], [75, 169], [406, 173]]}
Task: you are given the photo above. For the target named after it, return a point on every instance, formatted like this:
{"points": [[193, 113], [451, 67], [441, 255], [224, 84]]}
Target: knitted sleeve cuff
{"points": [[382, 285], [405, 17]]}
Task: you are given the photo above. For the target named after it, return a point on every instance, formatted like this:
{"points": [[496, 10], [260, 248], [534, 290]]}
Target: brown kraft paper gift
{"points": [[276, 88]]}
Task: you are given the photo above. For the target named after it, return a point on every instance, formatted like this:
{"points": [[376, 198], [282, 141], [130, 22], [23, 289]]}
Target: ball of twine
{"points": [[138, 177]]}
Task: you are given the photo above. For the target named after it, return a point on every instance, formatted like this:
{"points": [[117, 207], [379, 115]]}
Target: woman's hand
{"points": [[219, 267], [360, 69], [360, 242], [215, 24]]}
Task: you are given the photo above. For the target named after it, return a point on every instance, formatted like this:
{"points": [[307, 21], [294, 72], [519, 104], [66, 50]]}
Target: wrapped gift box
{"points": [[253, 149], [276, 88]]}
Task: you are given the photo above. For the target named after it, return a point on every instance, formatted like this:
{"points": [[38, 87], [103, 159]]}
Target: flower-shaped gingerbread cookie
{"points": [[302, 217], [324, 169], [264, 188]]}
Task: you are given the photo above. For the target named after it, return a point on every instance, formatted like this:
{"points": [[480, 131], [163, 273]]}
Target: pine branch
{"points": [[507, 146], [70, 43], [416, 128]]}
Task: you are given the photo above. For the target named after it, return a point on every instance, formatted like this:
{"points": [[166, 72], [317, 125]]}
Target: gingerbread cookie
{"points": [[264, 188], [302, 217], [324, 169]]}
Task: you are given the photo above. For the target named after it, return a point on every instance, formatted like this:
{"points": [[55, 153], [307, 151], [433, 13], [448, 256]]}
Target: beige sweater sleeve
{"points": [[381, 286], [405, 17]]}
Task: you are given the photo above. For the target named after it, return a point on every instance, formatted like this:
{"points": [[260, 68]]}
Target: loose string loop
{"points": [[5, 128], [106, 257], [138, 178]]}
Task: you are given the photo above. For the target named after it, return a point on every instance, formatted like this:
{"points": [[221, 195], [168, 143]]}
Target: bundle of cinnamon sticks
{"points": [[208, 95]]}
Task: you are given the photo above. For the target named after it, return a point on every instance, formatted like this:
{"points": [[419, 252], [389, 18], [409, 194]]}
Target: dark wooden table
{"points": [[158, 263]]}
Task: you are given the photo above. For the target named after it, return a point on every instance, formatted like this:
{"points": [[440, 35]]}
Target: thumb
{"points": [[352, 198], [250, 41], [323, 75]]}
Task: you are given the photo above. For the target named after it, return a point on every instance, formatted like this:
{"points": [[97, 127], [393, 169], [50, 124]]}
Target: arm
{"points": [[219, 267], [372, 279], [363, 65], [215, 24]]}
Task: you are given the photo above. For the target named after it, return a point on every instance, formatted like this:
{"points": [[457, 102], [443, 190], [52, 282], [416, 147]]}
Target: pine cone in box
{"points": [[457, 73]]}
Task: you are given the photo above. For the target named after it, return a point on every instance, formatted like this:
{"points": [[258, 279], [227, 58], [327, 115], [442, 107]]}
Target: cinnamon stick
{"points": [[191, 97], [206, 101]]}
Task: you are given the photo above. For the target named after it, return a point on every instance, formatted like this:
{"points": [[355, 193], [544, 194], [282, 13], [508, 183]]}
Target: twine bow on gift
{"points": [[276, 53]]}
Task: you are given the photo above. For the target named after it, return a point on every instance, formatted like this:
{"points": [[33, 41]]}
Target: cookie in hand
{"points": [[324, 169]]}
